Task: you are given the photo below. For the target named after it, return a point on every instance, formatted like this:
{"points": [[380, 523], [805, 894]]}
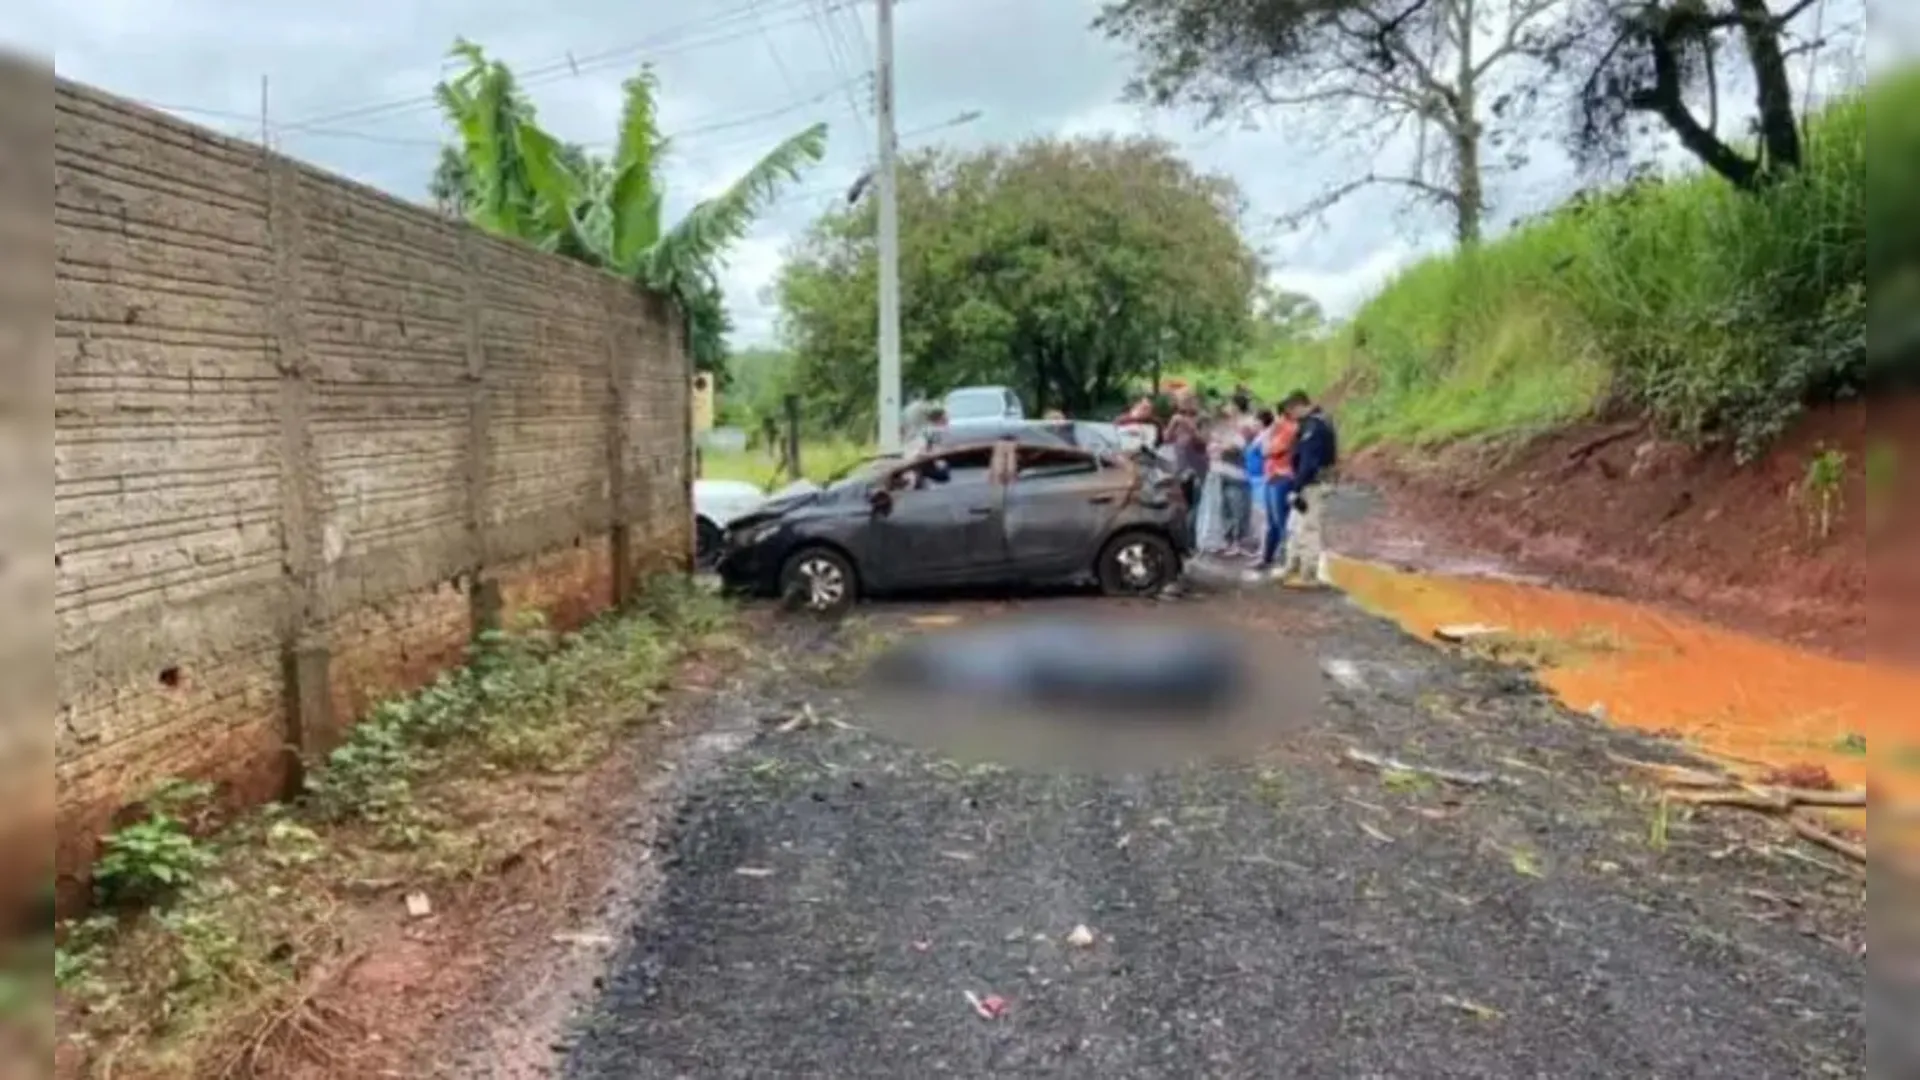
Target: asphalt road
{"points": [[832, 897]]}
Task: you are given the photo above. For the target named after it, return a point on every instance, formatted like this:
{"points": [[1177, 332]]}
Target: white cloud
{"points": [[1341, 292], [732, 85], [752, 267]]}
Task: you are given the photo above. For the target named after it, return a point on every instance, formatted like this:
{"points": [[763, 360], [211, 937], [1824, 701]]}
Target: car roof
{"points": [[1033, 432]]}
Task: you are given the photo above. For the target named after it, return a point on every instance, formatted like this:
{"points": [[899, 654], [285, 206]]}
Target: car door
{"points": [[934, 532], [1058, 508]]}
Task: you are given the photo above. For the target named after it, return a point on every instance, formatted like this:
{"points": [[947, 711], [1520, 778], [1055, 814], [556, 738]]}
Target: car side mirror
{"points": [[881, 500]]}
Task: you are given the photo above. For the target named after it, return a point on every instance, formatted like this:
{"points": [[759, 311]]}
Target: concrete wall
{"points": [[306, 438]]}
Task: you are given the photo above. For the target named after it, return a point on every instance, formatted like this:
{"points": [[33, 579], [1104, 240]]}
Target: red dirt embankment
{"points": [[1614, 509]]}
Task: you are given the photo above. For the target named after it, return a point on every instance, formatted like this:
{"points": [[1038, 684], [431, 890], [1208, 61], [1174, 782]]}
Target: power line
{"points": [[747, 18], [838, 192], [737, 20], [568, 66], [773, 50], [770, 114], [822, 18], [860, 34], [692, 132]]}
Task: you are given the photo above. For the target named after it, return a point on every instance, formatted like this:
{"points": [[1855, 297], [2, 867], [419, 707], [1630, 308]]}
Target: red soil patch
{"points": [[1614, 509]]}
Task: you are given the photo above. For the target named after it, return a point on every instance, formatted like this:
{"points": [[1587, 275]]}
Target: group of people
{"points": [[1255, 478]]}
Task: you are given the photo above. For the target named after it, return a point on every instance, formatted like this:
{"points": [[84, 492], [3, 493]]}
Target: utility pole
{"points": [[889, 228]]}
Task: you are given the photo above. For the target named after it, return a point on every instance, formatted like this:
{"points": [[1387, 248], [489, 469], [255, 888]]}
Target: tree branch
{"points": [[1390, 49], [1664, 99], [1755, 16], [1327, 200], [1520, 16]]}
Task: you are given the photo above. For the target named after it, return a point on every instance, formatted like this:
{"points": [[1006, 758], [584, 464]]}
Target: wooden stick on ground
{"points": [[1760, 797], [1811, 830], [1806, 797], [1751, 799], [1387, 764], [1675, 775]]}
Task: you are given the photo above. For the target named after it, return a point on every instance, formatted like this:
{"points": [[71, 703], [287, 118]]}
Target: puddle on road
{"points": [[1745, 698]]}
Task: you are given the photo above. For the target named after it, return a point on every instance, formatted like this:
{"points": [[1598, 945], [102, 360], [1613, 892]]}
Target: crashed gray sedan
{"points": [[997, 512]]}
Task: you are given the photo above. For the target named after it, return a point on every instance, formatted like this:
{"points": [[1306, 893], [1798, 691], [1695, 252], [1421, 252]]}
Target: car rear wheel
{"points": [[819, 580], [1137, 564], [707, 539]]}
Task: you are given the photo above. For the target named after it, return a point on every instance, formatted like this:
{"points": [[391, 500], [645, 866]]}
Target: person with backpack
{"points": [[1316, 450]]}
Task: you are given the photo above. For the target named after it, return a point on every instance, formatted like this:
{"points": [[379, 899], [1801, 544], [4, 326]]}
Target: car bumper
{"points": [[746, 570]]}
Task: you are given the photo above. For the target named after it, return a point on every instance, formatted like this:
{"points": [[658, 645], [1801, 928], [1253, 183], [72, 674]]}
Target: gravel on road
{"points": [[836, 902]]}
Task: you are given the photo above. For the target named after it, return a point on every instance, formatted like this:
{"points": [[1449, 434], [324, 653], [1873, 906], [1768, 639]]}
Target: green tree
{"points": [[1065, 269], [521, 182], [761, 377], [1285, 317]]}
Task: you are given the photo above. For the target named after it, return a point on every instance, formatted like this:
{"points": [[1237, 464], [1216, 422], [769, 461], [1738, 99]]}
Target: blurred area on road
{"points": [[1092, 687]]}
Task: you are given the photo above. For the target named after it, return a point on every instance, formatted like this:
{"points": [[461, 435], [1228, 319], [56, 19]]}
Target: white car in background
{"points": [[972, 403], [717, 504]]}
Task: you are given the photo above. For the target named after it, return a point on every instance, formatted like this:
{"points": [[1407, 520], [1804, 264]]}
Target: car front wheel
{"points": [[819, 580], [1137, 564]]}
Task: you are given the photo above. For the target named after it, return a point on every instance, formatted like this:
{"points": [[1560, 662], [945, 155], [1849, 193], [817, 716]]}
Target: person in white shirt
{"points": [[1228, 451]]}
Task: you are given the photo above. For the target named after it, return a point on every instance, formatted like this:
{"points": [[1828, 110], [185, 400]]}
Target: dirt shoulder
{"points": [[830, 897], [1610, 508]]}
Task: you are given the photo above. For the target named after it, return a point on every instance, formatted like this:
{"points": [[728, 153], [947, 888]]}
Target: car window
{"points": [[1038, 463], [961, 468]]}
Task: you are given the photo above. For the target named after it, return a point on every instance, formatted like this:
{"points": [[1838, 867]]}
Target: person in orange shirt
{"points": [[1277, 501]]}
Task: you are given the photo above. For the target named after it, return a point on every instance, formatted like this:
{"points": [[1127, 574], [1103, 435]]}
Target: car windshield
{"points": [[863, 471], [982, 404]]}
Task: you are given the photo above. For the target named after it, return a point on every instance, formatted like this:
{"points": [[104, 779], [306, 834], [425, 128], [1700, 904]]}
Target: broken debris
{"points": [[1703, 787], [991, 1007]]}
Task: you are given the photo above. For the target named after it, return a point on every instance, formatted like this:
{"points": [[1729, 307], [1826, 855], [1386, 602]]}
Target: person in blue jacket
{"points": [[1316, 450], [1257, 474]]}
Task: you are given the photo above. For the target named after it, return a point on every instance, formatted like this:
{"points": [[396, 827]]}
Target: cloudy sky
{"points": [[349, 83]]}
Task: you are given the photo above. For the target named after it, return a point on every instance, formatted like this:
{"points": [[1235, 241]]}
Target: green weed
{"points": [[440, 786], [1822, 489], [157, 856]]}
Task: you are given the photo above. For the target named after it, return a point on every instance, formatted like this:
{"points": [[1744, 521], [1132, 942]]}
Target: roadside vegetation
{"points": [[203, 952], [821, 460], [1715, 311], [1718, 302]]}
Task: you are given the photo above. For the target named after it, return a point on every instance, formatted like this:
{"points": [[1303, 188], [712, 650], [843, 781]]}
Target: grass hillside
{"points": [[1717, 312]]}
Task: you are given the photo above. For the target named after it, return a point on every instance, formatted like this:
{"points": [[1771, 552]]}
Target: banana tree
{"points": [[525, 184]]}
